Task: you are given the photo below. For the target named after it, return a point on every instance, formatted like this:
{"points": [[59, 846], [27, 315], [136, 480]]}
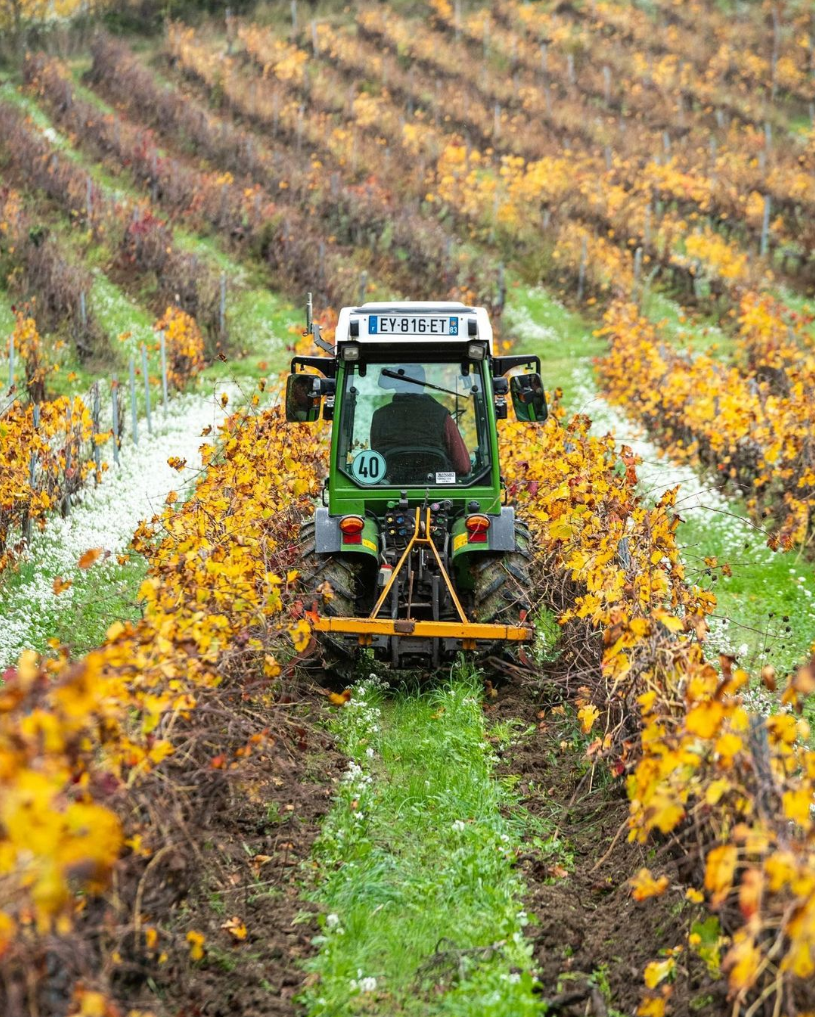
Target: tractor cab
{"points": [[420, 556]]}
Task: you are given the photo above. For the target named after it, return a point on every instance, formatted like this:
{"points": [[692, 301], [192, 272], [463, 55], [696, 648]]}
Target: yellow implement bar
{"points": [[469, 632]]}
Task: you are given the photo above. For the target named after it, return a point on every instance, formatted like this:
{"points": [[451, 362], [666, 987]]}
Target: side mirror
{"points": [[528, 397], [302, 398]]}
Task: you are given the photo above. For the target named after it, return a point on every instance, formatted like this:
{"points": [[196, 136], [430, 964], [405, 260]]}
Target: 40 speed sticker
{"points": [[368, 467]]}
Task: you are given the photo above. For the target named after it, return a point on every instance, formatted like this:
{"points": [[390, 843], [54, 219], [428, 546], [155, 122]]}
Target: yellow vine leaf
{"points": [[719, 871], [643, 885], [658, 971], [196, 941], [588, 715]]}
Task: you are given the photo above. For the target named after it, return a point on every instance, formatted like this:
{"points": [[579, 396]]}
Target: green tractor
{"points": [[414, 553]]}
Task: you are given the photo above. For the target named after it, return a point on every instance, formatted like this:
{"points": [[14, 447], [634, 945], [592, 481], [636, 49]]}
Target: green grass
{"points": [[800, 123], [258, 319], [769, 601], [416, 875], [119, 315], [564, 342], [697, 333], [6, 320]]}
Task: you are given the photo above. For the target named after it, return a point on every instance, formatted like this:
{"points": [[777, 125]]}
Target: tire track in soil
{"points": [[587, 921]]}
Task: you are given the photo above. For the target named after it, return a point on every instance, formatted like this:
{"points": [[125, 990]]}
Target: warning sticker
{"points": [[445, 478]]}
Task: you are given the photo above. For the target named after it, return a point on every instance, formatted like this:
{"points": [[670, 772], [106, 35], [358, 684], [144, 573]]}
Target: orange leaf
{"points": [[90, 557], [643, 885], [704, 720], [658, 971], [768, 678], [752, 884], [797, 805], [588, 715]]}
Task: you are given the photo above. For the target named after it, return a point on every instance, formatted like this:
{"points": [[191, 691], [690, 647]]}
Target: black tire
{"points": [[342, 576], [502, 586]]}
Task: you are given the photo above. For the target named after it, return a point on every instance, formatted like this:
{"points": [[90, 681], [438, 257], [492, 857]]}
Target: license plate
{"points": [[398, 324]]}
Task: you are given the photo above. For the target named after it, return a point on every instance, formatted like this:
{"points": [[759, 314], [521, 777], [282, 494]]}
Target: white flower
{"points": [[743, 649], [459, 825], [367, 984], [106, 516], [369, 752], [332, 921]]}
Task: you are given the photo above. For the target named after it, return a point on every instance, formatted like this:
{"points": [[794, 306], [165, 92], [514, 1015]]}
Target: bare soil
{"points": [[253, 854], [585, 925]]}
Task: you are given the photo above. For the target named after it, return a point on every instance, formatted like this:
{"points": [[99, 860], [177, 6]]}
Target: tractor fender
{"points": [[329, 537], [500, 536]]}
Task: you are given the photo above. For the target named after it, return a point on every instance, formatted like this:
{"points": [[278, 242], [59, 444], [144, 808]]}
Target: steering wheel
{"points": [[407, 464]]}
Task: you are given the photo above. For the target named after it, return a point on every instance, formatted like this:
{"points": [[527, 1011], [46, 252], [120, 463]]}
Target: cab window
{"points": [[413, 424]]}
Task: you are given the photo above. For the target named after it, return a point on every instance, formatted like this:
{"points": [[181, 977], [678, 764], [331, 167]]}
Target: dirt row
{"points": [[251, 856], [588, 933]]}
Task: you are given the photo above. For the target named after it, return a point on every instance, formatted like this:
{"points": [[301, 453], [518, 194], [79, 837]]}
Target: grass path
{"points": [[766, 609], [6, 318], [6, 329], [422, 903]]}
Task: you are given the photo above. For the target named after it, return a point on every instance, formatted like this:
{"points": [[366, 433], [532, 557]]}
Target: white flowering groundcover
{"points": [[105, 517]]}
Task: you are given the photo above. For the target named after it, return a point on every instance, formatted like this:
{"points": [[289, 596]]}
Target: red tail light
{"points": [[352, 527], [477, 527]]}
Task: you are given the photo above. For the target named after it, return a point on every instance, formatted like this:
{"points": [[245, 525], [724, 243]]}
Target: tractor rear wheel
{"points": [[342, 576], [502, 584]]}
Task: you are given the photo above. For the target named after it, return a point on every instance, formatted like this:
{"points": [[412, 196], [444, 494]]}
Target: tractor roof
{"points": [[414, 322]]}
